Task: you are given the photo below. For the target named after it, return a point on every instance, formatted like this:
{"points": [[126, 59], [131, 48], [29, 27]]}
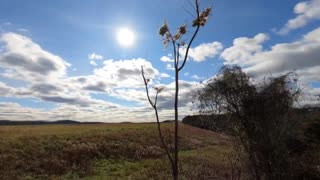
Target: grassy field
{"points": [[108, 151]]}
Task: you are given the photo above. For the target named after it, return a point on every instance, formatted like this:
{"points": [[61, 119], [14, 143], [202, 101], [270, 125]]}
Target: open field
{"points": [[108, 151]]}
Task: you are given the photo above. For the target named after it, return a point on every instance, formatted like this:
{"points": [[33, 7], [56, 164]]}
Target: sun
{"points": [[125, 37]]}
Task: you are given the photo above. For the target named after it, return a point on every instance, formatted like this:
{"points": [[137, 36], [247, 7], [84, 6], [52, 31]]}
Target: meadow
{"points": [[109, 151]]}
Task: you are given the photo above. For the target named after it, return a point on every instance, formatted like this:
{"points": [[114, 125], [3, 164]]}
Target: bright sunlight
{"points": [[125, 37]]}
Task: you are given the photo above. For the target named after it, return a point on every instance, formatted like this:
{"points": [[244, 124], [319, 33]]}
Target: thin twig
{"points": [[154, 106]]}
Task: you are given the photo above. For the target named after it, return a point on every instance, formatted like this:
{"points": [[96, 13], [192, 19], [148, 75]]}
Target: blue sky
{"points": [[62, 59]]}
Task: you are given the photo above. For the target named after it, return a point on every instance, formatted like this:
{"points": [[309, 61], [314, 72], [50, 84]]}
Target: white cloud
{"points": [[22, 30], [6, 90], [298, 55], [25, 60], [45, 80], [14, 111], [302, 56], [165, 99], [113, 75], [198, 54], [43, 72], [93, 63], [125, 73], [166, 59], [197, 77], [306, 11], [164, 75], [203, 51], [136, 95], [186, 90], [122, 79], [170, 67], [243, 49], [310, 97], [94, 56]]}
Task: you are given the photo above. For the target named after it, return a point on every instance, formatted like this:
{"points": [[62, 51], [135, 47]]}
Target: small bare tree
{"points": [[180, 56]]}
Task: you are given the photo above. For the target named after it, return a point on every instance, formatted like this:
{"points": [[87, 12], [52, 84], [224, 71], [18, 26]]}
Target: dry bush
{"points": [[258, 117]]}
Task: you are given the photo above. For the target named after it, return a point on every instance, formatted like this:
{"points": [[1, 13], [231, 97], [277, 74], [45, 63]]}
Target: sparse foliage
{"points": [[177, 42], [258, 116]]}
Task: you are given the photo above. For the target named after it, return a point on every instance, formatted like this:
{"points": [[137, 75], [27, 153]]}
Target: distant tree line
{"points": [[214, 122]]}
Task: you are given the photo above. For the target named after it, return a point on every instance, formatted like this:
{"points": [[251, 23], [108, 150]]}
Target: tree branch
{"points": [[191, 40], [154, 106]]}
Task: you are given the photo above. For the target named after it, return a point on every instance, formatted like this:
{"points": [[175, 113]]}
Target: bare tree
{"points": [[180, 58]]}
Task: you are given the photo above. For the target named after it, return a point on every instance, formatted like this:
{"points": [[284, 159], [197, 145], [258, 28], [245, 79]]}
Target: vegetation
{"points": [[303, 142], [107, 151], [261, 119], [178, 43], [211, 122]]}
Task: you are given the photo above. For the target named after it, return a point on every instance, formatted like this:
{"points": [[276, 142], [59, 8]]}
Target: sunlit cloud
{"points": [[307, 11]]}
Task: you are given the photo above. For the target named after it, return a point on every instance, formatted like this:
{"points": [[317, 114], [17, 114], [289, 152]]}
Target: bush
{"points": [[259, 117]]}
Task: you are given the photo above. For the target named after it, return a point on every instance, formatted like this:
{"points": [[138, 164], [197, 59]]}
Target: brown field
{"points": [[108, 151]]}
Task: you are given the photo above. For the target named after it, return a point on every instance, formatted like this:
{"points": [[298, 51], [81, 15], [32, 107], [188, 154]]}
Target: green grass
{"points": [[107, 151]]}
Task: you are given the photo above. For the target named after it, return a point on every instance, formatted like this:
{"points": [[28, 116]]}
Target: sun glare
{"points": [[125, 37]]}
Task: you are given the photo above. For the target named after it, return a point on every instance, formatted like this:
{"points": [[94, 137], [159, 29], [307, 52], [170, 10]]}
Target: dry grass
{"points": [[99, 151]]}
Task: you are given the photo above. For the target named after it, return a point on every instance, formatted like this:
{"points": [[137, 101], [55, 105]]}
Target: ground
{"points": [[109, 151]]}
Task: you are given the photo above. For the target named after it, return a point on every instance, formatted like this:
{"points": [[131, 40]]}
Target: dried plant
{"points": [[180, 58]]}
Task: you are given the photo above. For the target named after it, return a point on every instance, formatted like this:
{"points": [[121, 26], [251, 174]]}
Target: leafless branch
{"points": [[154, 105], [192, 38]]}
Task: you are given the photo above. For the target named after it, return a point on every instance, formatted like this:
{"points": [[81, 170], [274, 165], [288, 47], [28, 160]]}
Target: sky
{"points": [[81, 60]]}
